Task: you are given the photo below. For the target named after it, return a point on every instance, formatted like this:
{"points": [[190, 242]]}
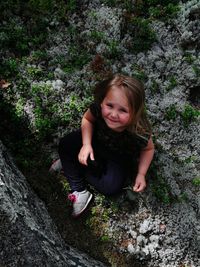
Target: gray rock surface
{"points": [[28, 237]]}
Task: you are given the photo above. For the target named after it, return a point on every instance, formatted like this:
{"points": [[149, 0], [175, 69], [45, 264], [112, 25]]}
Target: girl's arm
{"points": [[87, 131], [145, 159]]}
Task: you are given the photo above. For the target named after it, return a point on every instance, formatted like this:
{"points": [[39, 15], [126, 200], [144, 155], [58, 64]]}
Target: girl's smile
{"points": [[115, 109]]}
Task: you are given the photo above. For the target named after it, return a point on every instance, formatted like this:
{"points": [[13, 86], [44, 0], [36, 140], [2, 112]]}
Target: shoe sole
{"points": [[86, 205], [54, 167]]}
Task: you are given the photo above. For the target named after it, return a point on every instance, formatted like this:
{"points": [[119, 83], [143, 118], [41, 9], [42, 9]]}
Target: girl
{"points": [[114, 141]]}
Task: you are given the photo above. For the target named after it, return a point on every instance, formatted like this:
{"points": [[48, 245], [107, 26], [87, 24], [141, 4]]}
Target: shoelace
{"points": [[72, 197]]}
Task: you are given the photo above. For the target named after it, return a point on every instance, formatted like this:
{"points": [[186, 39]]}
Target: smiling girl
{"points": [[114, 141]]}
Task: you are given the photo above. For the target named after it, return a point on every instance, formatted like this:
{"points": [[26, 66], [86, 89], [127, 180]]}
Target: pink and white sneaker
{"points": [[80, 201]]}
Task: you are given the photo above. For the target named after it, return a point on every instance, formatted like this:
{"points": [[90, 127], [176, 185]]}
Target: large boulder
{"points": [[28, 235]]}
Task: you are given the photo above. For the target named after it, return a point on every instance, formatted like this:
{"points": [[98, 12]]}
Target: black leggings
{"points": [[109, 182]]}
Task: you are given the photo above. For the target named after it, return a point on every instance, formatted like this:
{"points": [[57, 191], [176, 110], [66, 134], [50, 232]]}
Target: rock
{"points": [[28, 235]]}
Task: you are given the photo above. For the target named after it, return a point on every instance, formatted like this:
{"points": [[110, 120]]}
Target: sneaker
{"points": [[56, 166], [80, 201]]}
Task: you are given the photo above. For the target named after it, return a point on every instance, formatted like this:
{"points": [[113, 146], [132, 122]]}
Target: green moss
{"points": [[161, 190], [171, 112], [9, 67], [189, 114], [172, 83], [154, 86], [34, 72], [158, 9], [196, 70], [97, 35], [196, 181], [139, 73], [143, 35]]}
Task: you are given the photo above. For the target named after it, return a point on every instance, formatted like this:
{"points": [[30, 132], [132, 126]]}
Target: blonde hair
{"points": [[134, 90]]}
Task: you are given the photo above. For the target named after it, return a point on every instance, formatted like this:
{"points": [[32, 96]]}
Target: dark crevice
{"points": [[194, 96]]}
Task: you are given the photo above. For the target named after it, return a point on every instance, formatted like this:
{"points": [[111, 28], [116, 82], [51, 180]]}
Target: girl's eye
{"points": [[123, 110], [109, 105]]}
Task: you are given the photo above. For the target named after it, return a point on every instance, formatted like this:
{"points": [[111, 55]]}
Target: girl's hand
{"points": [[140, 183], [84, 153]]}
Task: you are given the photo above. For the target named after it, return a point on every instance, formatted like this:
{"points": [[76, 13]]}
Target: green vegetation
{"points": [[148, 8], [196, 181], [196, 70], [161, 190], [8, 67], [154, 87], [157, 8], [138, 18], [171, 113], [139, 73], [142, 34], [189, 58], [172, 83], [189, 114]]}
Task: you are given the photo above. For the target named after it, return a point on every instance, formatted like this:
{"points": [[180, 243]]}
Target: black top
{"points": [[111, 143]]}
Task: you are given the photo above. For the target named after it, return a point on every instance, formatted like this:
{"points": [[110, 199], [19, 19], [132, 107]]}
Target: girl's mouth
{"points": [[111, 120]]}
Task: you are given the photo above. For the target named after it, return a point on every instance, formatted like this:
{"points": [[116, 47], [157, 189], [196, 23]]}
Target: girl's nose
{"points": [[113, 114]]}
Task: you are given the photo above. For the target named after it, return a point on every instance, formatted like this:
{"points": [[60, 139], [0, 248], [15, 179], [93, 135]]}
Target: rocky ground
{"points": [[161, 227]]}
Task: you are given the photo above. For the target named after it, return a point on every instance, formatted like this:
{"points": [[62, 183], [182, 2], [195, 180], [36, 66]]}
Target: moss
{"points": [[196, 181], [189, 114], [143, 35], [171, 112]]}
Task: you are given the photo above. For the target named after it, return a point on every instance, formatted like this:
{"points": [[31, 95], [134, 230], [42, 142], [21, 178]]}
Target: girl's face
{"points": [[115, 109]]}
